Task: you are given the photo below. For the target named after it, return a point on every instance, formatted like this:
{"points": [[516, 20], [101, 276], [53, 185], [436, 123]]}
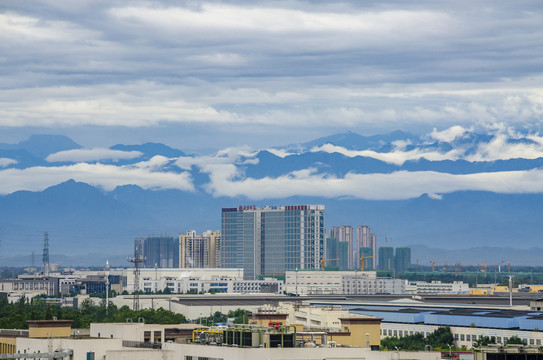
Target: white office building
{"points": [[341, 282]]}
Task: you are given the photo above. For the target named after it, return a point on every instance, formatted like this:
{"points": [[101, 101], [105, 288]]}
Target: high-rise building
{"points": [[386, 258], [402, 259], [344, 233], [374, 246], [332, 252], [200, 250], [343, 251], [366, 252], [366, 239], [272, 239], [158, 251]]}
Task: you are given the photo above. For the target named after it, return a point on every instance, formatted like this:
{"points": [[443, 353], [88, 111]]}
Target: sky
{"points": [[226, 78], [201, 75]]}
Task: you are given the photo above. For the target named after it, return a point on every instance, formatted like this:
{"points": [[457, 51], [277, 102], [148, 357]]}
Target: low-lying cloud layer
{"points": [[226, 170], [86, 155], [107, 177]]}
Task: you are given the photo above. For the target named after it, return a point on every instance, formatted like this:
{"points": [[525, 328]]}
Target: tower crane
{"points": [[362, 261], [323, 261]]}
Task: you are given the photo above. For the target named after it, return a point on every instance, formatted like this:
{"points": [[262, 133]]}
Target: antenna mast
{"points": [[137, 259], [45, 259]]}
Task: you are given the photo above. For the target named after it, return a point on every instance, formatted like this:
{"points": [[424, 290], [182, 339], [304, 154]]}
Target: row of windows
{"points": [[457, 337]]}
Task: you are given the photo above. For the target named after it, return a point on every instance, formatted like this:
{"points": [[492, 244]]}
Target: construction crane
{"points": [[459, 267], [483, 268], [433, 265], [362, 261], [323, 261]]}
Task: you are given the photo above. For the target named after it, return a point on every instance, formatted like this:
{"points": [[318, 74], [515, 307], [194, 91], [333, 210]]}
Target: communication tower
{"points": [[137, 259]]}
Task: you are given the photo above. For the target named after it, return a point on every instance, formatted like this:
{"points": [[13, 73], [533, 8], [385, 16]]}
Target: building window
{"points": [[461, 337], [468, 337]]}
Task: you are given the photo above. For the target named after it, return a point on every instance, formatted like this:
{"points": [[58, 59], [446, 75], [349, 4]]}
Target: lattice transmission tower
{"points": [[137, 259]]}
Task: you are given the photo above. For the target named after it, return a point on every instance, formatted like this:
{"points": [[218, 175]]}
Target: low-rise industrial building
{"points": [[139, 341], [436, 287], [341, 282], [468, 324]]}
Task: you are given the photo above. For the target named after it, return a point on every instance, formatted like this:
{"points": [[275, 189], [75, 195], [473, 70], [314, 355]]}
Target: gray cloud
{"points": [[293, 64]]}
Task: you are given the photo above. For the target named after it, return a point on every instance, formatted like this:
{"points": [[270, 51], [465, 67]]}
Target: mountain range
{"points": [[449, 191]]}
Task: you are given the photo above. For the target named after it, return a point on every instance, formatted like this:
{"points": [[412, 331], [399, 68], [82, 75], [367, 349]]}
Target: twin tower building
{"points": [[266, 241]]}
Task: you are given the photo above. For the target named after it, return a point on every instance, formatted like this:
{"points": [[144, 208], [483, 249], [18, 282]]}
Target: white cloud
{"points": [[7, 162], [396, 157], [396, 186], [500, 148], [450, 134], [228, 156], [85, 155], [279, 152], [106, 177]]}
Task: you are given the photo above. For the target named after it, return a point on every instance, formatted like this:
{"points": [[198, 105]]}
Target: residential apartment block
{"points": [[200, 250]]}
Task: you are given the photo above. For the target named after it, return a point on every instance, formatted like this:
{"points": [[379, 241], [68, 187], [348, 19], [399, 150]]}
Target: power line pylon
{"points": [[137, 259]]}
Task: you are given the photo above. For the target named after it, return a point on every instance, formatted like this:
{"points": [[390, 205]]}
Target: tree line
{"points": [[14, 315]]}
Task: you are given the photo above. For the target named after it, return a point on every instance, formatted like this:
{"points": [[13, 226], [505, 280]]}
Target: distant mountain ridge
{"points": [[41, 146], [84, 219]]}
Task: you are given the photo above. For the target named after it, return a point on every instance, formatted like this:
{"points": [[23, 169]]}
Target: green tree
{"points": [[484, 341], [440, 338], [515, 340], [240, 316], [48, 313]]}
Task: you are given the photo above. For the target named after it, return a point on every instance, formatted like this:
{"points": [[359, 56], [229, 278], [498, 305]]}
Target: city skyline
{"points": [[380, 106]]}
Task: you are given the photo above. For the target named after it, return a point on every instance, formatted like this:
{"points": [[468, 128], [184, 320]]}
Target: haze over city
{"points": [[273, 103]]}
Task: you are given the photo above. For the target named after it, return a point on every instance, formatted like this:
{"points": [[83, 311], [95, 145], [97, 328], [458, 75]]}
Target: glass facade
{"points": [[272, 240], [402, 259], [368, 261], [159, 251], [386, 258]]}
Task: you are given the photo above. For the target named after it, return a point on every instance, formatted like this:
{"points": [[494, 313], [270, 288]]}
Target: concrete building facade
{"points": [[200, 250], [341, 282]]}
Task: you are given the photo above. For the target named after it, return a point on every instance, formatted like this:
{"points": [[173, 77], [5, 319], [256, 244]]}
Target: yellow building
{"points": [[480, 291], [8, 344], [49, 328], [359, 331]]}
